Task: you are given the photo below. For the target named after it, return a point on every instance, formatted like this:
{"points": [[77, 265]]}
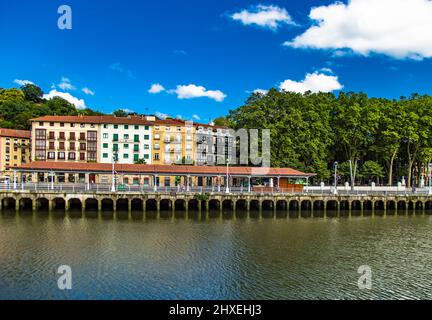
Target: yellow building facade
{"points": [[14, 151]]}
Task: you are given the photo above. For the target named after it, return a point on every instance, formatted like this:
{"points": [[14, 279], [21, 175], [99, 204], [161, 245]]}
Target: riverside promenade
{"points": [[312, 201]]}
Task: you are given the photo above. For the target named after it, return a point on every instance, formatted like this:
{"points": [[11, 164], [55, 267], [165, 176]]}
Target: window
{"points": [[146, 137], [71, 155], [82, 156], [41, 124], [156, 146], [40, 145], [40, 155], [146, 147], [115, 157], [156, 136], [126, 146], [82, 125], [126, 136], [105, 145], [136, 138], [136, 157], [91, 135], [72, 136], [82, 146], [51, 135], [126, 127], [136, 147], [51, 124], [61, 124], [105, 135], [146, 156], [115, 137], [91, 156], [51, 155], [51, 145], [156, 156], [105, 126], [136, 127], [62, 145], [125, 156], [72, 125], [71, 145], [146, 128], [115, 147], [40, 134], [62, 136], [82, 136], [92, 146], [116, 126], [61, 155], [105, 155]]}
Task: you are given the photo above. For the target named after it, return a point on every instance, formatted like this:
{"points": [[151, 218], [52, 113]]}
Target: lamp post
{"points": [[52, 180], [335, 177], [113, 175], [430, 177], [227, 190]]}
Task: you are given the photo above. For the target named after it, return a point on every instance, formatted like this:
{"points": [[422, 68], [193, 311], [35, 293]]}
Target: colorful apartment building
{"points": [[128, 140], [173, 142], [101, 139], [14, 151]]}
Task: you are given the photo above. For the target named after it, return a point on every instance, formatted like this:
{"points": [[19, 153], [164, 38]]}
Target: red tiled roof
{"points": [[12, 133], [95, 119], [117, 120], [161, 169]]}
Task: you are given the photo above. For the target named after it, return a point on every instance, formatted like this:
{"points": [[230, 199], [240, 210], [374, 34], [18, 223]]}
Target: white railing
{"points": [[123, 188]]}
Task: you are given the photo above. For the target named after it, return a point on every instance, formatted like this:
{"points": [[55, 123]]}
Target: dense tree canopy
{"points": [[386, 138], [18, 106]]}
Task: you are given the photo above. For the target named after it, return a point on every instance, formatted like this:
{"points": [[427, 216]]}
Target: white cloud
{"points": [[161, 115], [22, 82], [397, 28], [88, 91], [193, 91], [261, 91], [78, 103], [315, 82], [66, 84], [156, 88], [264, 16], [196, 117]]}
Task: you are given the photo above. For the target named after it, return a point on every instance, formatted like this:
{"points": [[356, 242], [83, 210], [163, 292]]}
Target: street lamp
{"points": [[335, 177], [227, 190], [430, 177], [113, 175]]}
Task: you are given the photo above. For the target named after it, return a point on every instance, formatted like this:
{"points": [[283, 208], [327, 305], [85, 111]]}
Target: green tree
{"points": [[140, 161], [120, 113], [32, 92], [371, 170]]}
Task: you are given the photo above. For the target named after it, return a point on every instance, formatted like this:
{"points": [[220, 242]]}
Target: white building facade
{"points": [[126, 143]]}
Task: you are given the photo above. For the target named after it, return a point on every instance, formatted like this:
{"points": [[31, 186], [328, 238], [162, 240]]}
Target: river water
{"points": [[216, 258]]}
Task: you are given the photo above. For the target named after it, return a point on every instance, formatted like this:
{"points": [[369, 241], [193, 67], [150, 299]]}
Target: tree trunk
{"points": [[390, 174]]}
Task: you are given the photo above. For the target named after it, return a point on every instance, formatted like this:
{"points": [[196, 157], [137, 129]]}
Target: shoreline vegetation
{"points": [[387, 138]]}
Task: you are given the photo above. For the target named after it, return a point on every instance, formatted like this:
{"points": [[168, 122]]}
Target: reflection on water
{"points": [[216, 257]]}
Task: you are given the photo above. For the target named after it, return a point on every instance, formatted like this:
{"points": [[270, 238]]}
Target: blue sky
{"points": [[118, 49]]}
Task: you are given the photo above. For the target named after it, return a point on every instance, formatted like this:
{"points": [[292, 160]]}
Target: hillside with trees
{"points": [[387, 139], [17, 106]]}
